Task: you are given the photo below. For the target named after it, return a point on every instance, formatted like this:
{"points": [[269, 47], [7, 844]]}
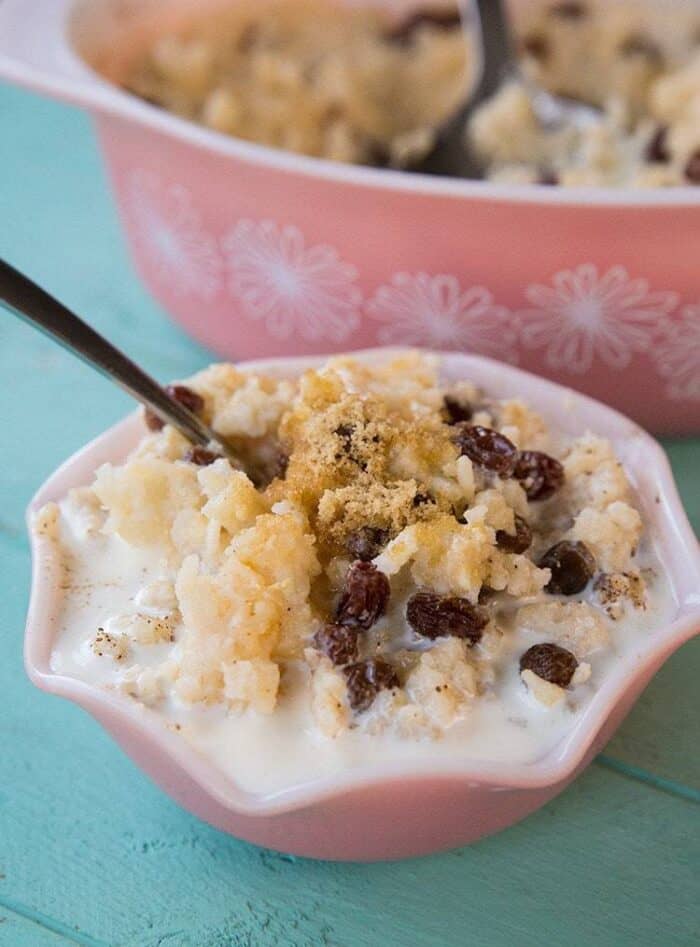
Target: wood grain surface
{"points": [[92, 853]]}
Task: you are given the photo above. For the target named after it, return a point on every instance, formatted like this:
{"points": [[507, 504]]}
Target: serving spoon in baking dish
{"points": [[32, 303], [451, 154]]}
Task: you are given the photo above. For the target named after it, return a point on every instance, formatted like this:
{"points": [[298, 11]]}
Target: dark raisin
{"points": [[272, 465], [365, 679], [547, 177], [569, 10], [337, 642], [486, 593], [187, 398], [378, 155], [405, 32], [539, 474], [438, 616], [657, 148], [201, 456], [692, 168], [457, 411], [367, 542], [550, 662], [421, 499], [639, 45], [535, 45], [517, 543], [364, 597], [487, 448], [572, 565]]}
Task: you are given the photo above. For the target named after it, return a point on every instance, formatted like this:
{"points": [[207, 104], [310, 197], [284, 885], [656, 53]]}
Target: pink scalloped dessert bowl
{"points": [[257, 252], [390, 810]]}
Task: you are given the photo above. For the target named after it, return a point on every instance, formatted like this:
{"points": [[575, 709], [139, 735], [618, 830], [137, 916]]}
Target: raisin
{"points": [[188, 399], [657, 148], [572, 565], [438, 616], [639, 45], [569, 10], [421, 499], [548, 177], [487, 448], [550, 662], [201, 456], [364, 597], [405, 33], [539, 474], [457, 411], [367, 542], [692, 168], [517, 543], [365, 679], [337, 642], [271, 466], [535, 45]]}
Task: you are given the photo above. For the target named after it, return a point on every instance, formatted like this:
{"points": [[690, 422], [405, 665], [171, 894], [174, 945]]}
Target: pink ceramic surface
{"points": [[257, 252], [390, 811]]}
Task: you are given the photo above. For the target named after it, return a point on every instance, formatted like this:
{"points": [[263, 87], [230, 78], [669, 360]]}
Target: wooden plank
{"points": [[36, 930], [84, 838]]}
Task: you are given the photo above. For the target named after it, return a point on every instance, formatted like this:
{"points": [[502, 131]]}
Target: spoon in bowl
{"points": [[25, 299], [451, 154]]}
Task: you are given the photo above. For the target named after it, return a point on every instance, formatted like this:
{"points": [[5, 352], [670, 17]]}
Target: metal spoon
{"points": [[24, 298], [451, 155]]}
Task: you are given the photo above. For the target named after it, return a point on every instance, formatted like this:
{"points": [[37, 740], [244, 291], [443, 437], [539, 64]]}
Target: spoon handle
{"points": [[36, 306], [498, 55]]}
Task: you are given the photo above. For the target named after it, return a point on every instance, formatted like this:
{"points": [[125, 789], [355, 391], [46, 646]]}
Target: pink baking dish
{"points": [[393, 811], [258, 252]]}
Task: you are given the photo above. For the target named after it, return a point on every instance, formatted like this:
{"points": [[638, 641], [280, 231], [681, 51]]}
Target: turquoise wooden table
{"points": [[92, 853]]}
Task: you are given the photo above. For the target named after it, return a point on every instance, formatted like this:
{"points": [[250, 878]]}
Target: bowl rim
{"points": [[68, 76], [554, 768]]}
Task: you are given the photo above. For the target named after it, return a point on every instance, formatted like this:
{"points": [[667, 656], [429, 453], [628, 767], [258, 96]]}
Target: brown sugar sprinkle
{"points": [[550, 662], [364, 597], [438, 616], [365, 679], [186, 396], [337, 642]]}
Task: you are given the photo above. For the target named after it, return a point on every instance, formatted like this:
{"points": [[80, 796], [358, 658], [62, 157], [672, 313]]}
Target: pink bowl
{"points": [[392, 811], [258, 252]]}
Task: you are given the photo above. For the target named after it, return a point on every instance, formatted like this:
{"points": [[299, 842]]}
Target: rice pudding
{"points": [[403, 570]]}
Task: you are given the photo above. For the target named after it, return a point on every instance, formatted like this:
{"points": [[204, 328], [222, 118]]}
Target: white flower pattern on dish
{"points": [[168, 227], [420, 309], [289, 287], [583, 316], [677, 355]]}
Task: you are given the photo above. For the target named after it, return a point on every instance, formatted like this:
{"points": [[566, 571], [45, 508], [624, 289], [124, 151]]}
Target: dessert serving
{"points": [[350, 84], [323, 79], [638, 62], [401, 570]]}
